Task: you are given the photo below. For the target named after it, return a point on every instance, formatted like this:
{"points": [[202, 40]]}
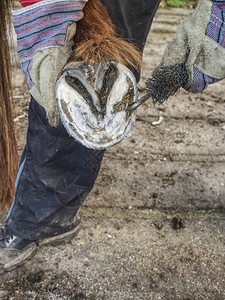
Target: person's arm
{"points": [[45, 32], [196, 58]]}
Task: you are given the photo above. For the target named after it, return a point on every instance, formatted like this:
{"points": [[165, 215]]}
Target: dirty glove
{"points": [[196, 57], [45, 32]]}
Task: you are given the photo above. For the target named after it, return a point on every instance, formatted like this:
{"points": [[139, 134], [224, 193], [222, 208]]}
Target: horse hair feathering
{"points": [[96, 39]]}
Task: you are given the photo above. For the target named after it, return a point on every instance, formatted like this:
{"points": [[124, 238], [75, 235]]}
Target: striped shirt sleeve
{"points": [[43, 25], [216, 26], [216, 31]]}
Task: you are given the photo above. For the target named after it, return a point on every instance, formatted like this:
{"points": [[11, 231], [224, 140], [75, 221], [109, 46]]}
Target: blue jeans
{"points": [[55, 176]]}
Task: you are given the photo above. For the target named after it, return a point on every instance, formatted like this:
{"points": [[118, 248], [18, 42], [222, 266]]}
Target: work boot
{"points": [[15, 250]]}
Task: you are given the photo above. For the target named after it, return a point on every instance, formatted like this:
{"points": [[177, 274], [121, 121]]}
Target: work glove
{"points": [[45, 32], [196, 58]]}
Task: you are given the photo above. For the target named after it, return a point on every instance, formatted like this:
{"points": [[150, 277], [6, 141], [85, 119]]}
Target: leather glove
{"points": [[196, 58], [45, 32]]}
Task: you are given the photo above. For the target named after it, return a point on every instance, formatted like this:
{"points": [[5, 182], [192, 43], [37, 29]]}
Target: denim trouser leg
{"points": [[55, 176], [57, 173]]}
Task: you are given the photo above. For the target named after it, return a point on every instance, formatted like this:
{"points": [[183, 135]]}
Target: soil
{"points": [[154, 223]]}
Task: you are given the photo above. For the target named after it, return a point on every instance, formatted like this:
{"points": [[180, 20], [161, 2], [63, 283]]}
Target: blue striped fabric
{"points": [[216, 31], [200, 81], [216, 26], [43, 25], [219, 2]]}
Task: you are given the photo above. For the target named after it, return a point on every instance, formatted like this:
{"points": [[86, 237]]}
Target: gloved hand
{"points": [[45, 32], [196, 57]]}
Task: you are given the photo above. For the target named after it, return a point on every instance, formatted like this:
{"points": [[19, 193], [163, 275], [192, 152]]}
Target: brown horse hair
{"points": [[8, 146], [96, 39]]}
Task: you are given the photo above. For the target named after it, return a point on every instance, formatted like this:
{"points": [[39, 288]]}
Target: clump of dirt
{"points": [[41, 285]]}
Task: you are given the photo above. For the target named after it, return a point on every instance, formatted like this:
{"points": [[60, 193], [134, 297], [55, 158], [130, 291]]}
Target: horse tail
{"points": [[8, 146]]}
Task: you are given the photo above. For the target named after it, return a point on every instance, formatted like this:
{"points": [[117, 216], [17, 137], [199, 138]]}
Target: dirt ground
{"points": [[154, 223]]}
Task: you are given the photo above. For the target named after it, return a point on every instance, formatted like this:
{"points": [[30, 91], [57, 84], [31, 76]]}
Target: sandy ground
{"points": [[154, 224]]}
